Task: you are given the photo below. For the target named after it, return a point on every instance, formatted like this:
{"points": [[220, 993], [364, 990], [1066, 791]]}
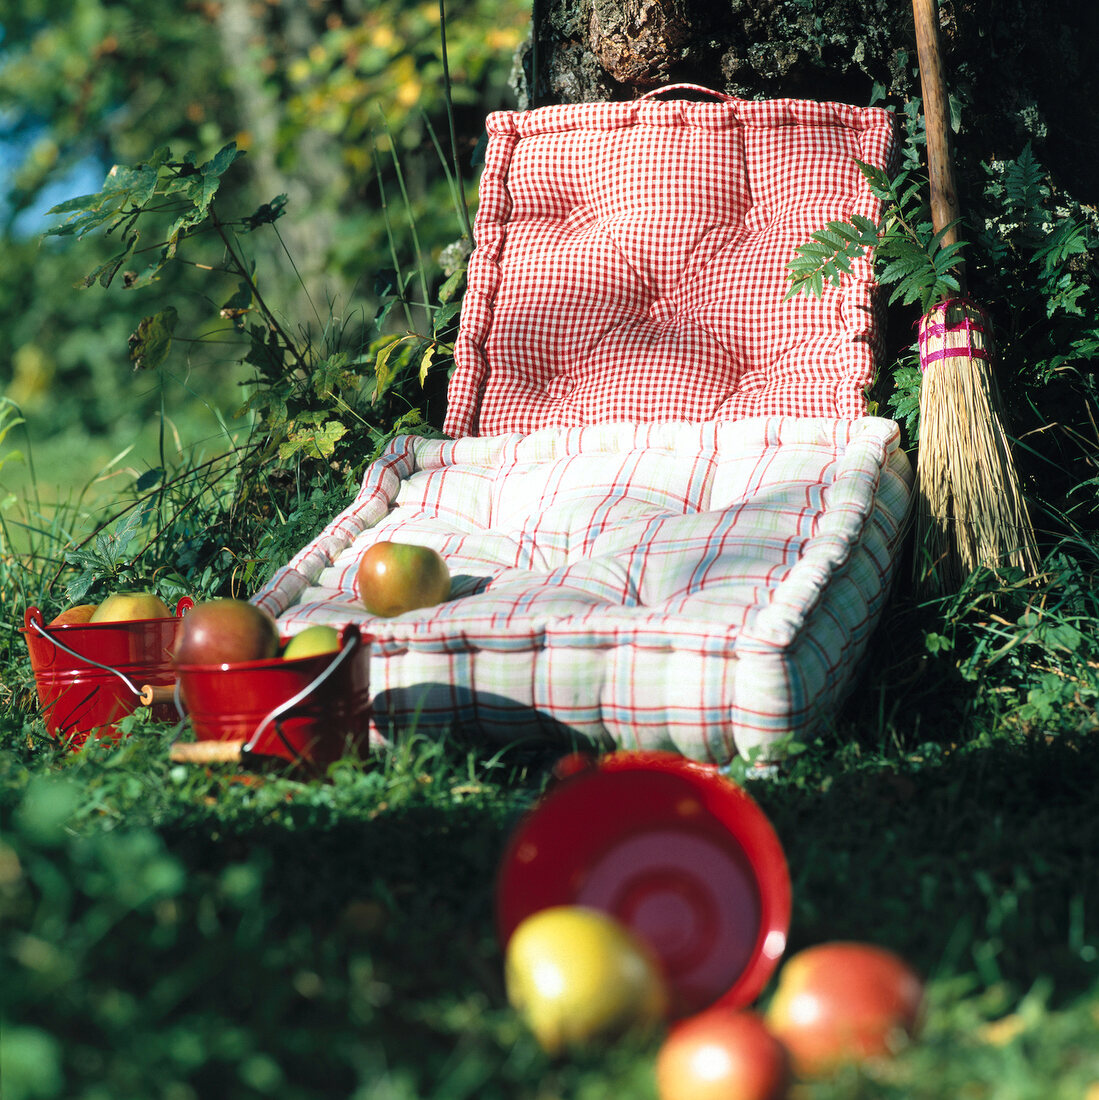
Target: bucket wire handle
{"points": [[36, 625], [349, 647]]}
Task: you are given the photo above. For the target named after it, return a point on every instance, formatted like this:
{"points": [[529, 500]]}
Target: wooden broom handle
{"points": [[945, 207]]}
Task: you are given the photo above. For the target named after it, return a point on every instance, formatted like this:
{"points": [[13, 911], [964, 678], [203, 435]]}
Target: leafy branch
{"points": [[308, 397], [907, 253]]}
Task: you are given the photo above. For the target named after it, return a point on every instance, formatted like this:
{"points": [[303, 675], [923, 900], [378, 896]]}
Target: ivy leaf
{"points": [[105, 273], [267, 214], [125, 189], [331, 374]]}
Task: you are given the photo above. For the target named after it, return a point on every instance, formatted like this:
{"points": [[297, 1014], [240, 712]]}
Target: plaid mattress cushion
{"points": [[630, 264], [702, 587]]}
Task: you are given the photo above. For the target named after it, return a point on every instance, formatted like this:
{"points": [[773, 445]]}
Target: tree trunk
{"points": [[1019, 71], [308, 232], [619, 49]]}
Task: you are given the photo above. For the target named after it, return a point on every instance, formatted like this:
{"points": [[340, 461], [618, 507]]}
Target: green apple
{"points": [[313, 641], [122, 607], [578, 975]]}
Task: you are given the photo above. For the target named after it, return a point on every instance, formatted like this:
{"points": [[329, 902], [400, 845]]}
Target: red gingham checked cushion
{"points": [[630, 264]]}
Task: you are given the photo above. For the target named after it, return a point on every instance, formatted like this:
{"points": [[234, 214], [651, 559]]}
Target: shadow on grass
{"points": [[979, 861], [983, 860], [320, 943]]}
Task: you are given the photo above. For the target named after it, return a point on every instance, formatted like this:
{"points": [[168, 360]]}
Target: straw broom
{"points": [[969, 508]]}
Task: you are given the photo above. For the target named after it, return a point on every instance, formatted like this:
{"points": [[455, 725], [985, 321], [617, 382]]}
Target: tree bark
{"points": [[1019, 71], [618, 49]]}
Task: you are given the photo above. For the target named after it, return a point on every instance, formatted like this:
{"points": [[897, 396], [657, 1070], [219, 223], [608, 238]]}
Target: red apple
{"points": [[844, 1002], [225, 631], [722, 1054], [121, 607], [78, 613], [395, 577]]}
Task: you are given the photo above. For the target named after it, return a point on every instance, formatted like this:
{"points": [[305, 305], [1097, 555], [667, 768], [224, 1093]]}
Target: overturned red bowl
{"points": [[674, 850]]}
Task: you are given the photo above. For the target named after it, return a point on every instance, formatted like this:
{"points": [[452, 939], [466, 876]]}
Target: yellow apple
{"points": [[395, 577], [312, 641], [121, 607], [578, 975]]}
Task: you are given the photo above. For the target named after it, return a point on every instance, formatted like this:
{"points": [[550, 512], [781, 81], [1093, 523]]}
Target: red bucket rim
{"points": [[35, 622], [364, 638]]}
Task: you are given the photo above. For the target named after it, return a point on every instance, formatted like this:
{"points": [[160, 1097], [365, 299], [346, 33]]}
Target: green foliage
{"points": [[182, 191], [1040, 260], [904, 400], [310, 93], [1042, 252], [312, 401], [909, 256]]}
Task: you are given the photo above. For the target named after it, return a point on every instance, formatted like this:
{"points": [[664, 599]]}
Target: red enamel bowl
{"points": [[673, 849]]}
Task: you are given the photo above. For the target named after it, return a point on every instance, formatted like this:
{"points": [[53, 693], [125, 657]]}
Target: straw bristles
{"points": [[970, 510]]}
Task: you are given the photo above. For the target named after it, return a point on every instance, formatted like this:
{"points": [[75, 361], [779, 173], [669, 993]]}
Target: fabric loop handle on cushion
{"points": [[697, 88]]}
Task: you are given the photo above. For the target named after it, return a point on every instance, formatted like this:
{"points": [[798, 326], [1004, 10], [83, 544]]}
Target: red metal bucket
{"points": [[89, 675], [309, 710]]}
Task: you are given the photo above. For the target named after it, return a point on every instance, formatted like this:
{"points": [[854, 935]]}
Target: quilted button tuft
{"points": [[662, 311], [758, 218]]}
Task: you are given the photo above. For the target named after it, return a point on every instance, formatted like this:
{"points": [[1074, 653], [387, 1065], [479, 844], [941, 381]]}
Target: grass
{"points": [[76, 477], [186, 932]]}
